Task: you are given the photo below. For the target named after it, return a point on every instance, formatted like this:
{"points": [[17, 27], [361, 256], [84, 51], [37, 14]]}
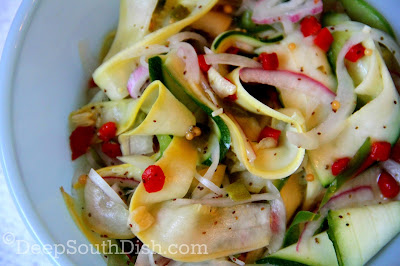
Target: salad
{"points": [[240, 132]]}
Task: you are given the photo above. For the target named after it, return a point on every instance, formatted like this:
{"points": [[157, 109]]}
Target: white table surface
{"points": [[11, 224]]}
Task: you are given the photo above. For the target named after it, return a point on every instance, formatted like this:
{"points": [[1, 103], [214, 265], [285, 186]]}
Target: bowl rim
{"points": [[8, 157]]}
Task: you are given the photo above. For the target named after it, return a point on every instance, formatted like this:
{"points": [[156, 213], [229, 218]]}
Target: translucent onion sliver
{"points": [[236, 260], [213, 167], [335, 121], [136, 81], [231, 59], [210, 185], [187, 35], [360, 195], [186, 52], [102, 184]]}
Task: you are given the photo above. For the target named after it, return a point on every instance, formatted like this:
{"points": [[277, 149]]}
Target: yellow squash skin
{"points": [[113, 74]]}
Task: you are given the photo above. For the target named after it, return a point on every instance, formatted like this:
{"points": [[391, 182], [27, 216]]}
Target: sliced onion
{"points": [[151, 259], [361, 194], [104, 214], [140, 144], [225, 202], [187, 53], [217, 112], [392, 167], [187, 35], [350, 198], [136, 81], [210, 185], [266, 143], [265, 11], [145, 257], [377, 35], [209, 51], [335, 121], [143, 61], [272, 188], [221, 86], [289, 81], [278, 225], [236, 260], [268, 12], [213, 167], [102, 184], [309, 230], [207, 89], [231, 59], [243, 46], [309, 8], [121, 181]]}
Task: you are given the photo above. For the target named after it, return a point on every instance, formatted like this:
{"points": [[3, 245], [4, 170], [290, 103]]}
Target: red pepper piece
{"points": [[111, 149], [310, 26], [388, 185], [356, 52], [80, 140], [153, 178], [231, 98], [269, 132], [395, 153], [202, 63], [340, 165], [324, 39], [380, 151], [232, 50], [107, 131], [269, 61]]}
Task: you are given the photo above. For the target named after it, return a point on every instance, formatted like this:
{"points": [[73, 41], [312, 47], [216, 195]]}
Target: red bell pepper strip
{"points": [[269, 132], [324, 39], [80, 140], [269, 61], [340, 165], [202, 63], [310, 26], [356, 52], [111, 149]]}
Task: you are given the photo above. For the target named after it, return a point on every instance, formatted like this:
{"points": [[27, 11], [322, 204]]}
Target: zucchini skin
{"points": [[159, 71], [279, 262], [360, 10]]}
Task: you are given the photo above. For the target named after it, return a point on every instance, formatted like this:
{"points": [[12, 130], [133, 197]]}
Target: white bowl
{"points": [[42, 81]]}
